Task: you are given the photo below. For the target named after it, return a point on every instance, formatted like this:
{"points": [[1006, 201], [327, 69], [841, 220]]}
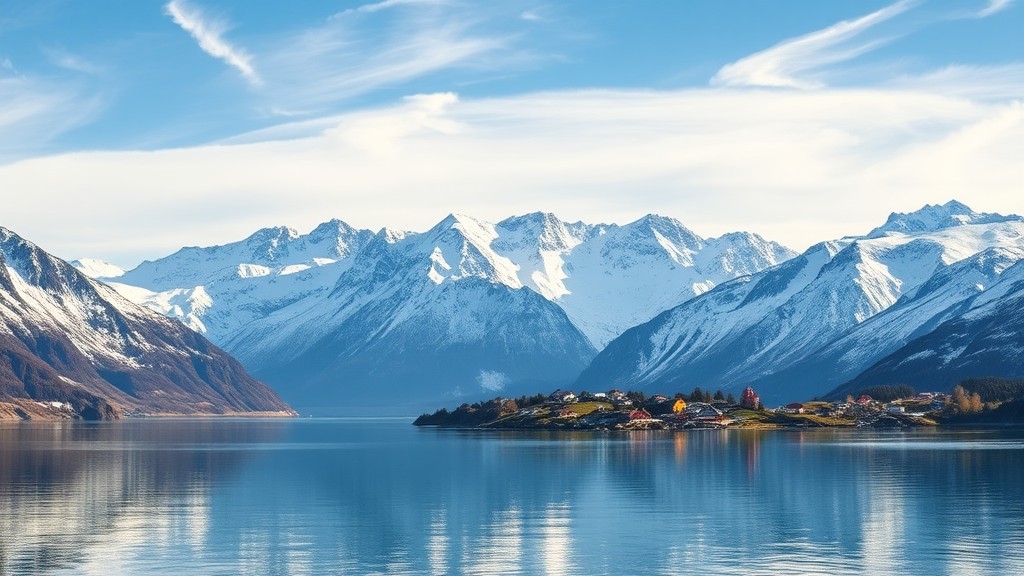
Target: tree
{"points": [[849, 398], [960, 399], [719, 395], [975, 403], [730, 400], [697, 395], [707, 396]]}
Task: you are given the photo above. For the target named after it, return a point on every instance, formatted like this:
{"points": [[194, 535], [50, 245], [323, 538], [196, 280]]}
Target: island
{"points": [[980, 401]]}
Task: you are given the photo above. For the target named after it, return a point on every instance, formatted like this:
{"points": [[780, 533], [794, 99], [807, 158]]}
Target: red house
{"points": [[639, 414]]}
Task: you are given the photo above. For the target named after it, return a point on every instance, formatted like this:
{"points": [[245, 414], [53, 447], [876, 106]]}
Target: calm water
{"points": [[382, 497]]}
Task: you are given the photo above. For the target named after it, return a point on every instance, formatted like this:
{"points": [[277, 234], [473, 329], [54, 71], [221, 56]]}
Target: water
{"points": [[382, 497]]}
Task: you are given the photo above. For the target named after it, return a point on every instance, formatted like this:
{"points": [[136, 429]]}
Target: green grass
{"points": [[584, 408]]}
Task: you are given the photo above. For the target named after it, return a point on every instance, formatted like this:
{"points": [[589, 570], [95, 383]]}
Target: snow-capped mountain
{"points": [[578, 285], [68, 339], [97, 268], [417, 318], [609, 278], [798, 329], [984, 338], [218, 290]]}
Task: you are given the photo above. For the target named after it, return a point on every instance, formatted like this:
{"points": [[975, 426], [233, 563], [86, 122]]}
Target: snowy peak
{"points": [[935, 217], [656, 235], [541, 232], [336, 239], [268, 252], [270, 244], [94, 268], [459, 247], [742, 253]]}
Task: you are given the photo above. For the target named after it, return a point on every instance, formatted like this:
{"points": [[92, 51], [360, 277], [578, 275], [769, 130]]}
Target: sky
{"points": [[131, 129]]}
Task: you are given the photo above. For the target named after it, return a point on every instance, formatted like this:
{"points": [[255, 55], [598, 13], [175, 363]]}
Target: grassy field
{"points": [[584, 408]]}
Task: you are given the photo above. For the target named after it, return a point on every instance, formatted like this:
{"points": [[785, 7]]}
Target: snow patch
{"points": [[97, 268]]}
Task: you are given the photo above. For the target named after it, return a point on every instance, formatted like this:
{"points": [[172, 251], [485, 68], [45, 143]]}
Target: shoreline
{"points": [[33, 411]]}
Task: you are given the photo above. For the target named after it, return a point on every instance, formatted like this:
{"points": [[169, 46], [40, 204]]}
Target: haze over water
{"points": [[380, 496]]}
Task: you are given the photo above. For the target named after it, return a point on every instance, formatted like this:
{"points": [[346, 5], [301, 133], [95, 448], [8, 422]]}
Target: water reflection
{"points": [[376, 497]]}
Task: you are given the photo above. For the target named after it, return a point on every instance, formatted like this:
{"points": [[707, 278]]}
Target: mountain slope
{"points": [[391, 305], [751, 330], [66, 338], [219, 289], [609, 278], [417, 318], [986, 339]]}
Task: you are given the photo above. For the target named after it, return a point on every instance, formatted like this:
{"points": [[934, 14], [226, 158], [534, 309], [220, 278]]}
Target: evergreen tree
{"points": [[730, 399], [719, 395], [697, 395]]}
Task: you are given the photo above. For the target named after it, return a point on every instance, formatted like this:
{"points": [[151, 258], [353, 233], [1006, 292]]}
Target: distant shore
{"points": [[15, 410], [675, 414]]}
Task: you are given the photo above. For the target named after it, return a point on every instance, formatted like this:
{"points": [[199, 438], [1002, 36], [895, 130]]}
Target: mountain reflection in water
{"points": [[380, 496]]}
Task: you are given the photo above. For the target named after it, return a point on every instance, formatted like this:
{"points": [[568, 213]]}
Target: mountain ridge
{"points": [[66, 338]]}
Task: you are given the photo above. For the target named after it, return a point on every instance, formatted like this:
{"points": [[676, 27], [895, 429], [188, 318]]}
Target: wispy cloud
{"points": [[208, 33], [791, 64], [340, 59], [68, 61], [798, 166], [385, 4], [33, 112], [993, 7]]}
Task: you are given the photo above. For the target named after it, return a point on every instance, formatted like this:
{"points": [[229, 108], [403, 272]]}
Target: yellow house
{"points": [[679, 406]]}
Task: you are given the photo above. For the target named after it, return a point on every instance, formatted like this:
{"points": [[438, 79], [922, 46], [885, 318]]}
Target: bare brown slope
{"points": [[65, 338]]}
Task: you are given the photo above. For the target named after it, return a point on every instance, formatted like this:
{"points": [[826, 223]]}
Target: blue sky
{"points": [[128, 129]]}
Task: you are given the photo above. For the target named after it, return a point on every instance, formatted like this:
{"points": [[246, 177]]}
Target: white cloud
{"points": [[993, 7], [791, 64], [208, 33], [386, 4], [796, 166]]}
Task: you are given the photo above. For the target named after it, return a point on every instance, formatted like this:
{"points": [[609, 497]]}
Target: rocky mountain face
{"points": [[983, 335], [799, 329], [465, 309], [71, 344]]}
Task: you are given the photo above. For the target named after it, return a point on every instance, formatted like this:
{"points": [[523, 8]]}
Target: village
{"points": [[617, 410]]}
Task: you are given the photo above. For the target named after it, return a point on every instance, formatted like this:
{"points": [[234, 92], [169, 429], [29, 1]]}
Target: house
{"points": [[894, 409], [639, 414], [749, 399], [618, 397], [659, 398], [864, 400], [563, 396], [795, 408], [679, 406]]}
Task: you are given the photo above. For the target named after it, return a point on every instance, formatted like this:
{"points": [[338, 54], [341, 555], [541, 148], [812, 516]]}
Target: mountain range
{"points": [[338, 316], [926, 283], [344, 318], [71, 346]]}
